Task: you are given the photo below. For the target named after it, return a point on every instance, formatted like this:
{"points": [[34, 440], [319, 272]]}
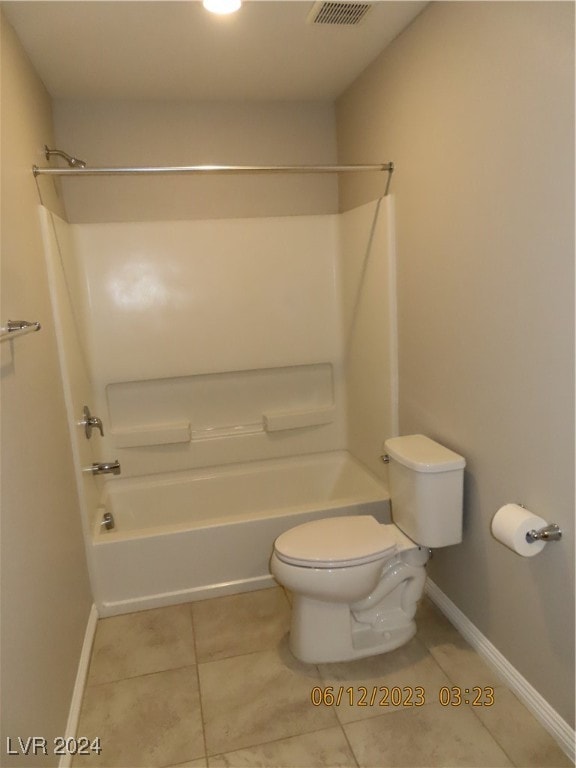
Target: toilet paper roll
{"points": [[511, 524]]}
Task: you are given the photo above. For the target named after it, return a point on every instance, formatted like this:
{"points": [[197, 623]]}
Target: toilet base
{"points": [[326, 632]]}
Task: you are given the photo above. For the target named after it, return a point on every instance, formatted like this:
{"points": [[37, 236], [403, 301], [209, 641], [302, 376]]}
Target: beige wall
{"points": [[45, 592], [475, 104], [144, 133]]}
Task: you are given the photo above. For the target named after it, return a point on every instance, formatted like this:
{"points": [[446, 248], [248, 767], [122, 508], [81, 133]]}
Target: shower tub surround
{"points": [[244, 373], [202, 533]]}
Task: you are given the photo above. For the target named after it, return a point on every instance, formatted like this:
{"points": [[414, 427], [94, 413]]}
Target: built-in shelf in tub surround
{"points": [[181, 432], [233, 430], [152, 434], [207, 419], [280, 420]]}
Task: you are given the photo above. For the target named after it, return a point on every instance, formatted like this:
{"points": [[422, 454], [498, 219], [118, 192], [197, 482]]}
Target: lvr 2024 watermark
{"points": [[61, 745]]}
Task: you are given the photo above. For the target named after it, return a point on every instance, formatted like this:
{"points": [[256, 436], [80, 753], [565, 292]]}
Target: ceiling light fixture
{"points": [[222, 7]]}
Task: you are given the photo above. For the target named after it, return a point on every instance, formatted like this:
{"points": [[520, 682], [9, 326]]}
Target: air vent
{"points": [[339, 13]]}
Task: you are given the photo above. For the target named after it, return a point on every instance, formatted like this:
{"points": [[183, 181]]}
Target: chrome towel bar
{"points": [[15, 328]]}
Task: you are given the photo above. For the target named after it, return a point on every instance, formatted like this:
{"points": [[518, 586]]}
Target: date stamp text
{"points": [[397, 696]]}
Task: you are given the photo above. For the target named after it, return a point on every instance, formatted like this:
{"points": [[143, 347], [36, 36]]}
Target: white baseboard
{"points": [[81, 675], [548, 717]]}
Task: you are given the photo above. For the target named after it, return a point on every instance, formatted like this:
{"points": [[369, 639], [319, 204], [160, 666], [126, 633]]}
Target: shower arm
{"points": [[73, 162]]}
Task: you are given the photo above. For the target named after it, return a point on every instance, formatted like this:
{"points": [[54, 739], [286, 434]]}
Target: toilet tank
{"points": [[426, 485]]}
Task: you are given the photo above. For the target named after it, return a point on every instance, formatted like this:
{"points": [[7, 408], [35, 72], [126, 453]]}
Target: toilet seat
{"points": [[336, 542]]}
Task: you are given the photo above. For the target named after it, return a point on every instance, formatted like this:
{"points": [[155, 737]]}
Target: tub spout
{"points": [[108, 521], [106, 468]]}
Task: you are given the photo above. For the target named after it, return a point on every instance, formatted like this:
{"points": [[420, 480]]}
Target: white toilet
{"points": [[355, 582]]}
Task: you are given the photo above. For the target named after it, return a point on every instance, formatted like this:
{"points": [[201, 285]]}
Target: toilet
{"points": [[355, 582]]}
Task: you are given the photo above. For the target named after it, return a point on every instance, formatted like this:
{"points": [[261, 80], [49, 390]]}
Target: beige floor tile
{"points": [[433, 736], [405, 678], [258, 697], [237, 624], [433, 628], [464, 666], [321, 749], [457, 658], [143, 701], [141, 643], [519, 733], [143, 722]]}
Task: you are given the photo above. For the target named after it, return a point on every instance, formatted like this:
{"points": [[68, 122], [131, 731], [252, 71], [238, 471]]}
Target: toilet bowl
{"points": [[355, 585], [355, 582]]}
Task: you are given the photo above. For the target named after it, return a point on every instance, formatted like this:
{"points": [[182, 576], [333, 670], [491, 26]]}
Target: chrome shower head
{"points": [[73, 162]]}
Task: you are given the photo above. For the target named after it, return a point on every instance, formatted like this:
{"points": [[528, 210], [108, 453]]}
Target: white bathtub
{"points": [[203, 533]]}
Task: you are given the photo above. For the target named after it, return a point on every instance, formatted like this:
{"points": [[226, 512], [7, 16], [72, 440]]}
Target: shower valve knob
{"points": [[91, 422], [106, 468]]}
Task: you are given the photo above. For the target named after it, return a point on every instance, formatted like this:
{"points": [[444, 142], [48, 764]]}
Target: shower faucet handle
{"points": [[106, 468], [91, 422]]}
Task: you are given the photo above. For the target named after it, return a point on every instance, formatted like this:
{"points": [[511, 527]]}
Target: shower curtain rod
{"points": [[208, 169]]}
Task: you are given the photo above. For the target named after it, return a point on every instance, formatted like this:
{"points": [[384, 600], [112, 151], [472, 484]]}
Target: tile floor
{"points": [[213, 684]]}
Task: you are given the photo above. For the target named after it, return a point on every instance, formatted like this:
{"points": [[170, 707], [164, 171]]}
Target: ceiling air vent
{"points": [[339, 13]]}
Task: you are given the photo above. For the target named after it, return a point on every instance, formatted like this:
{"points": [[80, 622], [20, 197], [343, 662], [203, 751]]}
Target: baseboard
{"points": [[556, 726], [81, 675]]}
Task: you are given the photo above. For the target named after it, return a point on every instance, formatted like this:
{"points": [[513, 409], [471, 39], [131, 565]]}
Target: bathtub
{"points": [[204, 533]]}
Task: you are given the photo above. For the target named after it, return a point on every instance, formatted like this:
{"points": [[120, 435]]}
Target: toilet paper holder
{"points": [[550, 532]]}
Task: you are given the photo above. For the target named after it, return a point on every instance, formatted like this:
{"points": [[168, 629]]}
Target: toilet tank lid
{"points": [[422, 454]]}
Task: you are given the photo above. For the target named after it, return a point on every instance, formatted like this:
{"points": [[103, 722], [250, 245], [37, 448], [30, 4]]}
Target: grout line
{"points": [[351, 748], [486, 727], [238, 656], [202, 719], [281, 739], [143, 674]]}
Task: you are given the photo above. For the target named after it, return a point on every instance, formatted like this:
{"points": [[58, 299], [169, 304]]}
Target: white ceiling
{"points": [[134, 49]]}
